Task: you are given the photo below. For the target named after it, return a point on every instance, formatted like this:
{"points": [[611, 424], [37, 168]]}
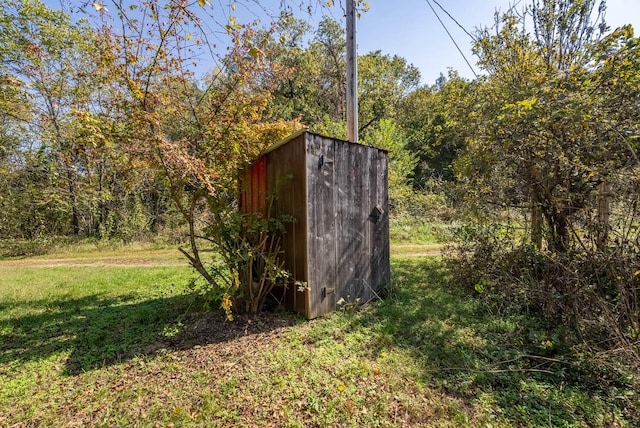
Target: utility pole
{"points": [[352, 74]]}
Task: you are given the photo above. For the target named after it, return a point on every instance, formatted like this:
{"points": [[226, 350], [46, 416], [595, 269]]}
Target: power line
{"points": [[454, 20], [451, 37]]}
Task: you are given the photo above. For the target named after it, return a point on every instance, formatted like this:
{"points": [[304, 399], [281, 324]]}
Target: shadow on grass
{"points": [[487, 361], [98, 331]]}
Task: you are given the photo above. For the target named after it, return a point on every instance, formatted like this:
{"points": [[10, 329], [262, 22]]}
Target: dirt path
{"points": [[165, 258], [58, 263], [415, 250], [149, 258]]}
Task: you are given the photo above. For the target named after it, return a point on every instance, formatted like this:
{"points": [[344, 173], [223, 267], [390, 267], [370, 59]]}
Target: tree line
{"points": [[102, 114]]}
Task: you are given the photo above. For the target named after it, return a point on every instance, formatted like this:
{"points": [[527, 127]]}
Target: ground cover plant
{"points": [[125, 346]]}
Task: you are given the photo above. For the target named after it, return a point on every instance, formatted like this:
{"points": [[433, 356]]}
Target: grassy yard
{"points": [[117, 343]]}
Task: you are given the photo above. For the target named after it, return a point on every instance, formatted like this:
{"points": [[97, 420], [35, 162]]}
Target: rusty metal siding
{"points": [[253, 188]]}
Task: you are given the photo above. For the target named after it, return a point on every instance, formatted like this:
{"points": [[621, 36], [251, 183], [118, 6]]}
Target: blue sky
{"points": [[410, 29]]}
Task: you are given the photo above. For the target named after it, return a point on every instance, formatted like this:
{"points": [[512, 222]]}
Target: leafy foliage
{"points": [[116, 125], [198, 138], [63, 135], [549, 154], [436, 120]]}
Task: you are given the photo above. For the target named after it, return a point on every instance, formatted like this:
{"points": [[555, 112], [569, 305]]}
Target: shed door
{"points": [[321, 225]]}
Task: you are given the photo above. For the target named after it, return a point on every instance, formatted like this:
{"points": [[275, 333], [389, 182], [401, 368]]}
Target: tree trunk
{"points": [[604, 211], [558, 229], [536, 223], [75, 218]]}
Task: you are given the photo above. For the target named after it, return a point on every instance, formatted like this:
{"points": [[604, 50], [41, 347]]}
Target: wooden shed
{"points": [[337, 192]]}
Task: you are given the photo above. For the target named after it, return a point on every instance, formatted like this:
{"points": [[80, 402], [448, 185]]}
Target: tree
{"points": [[388, 135], [436, 120], [41, 51], [314, 88], [59, 99], [296, 95], [554, 141], [198, 135], [538, 132], [384, 83]]}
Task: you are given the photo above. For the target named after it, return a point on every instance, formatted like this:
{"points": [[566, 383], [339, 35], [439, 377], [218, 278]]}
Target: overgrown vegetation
{"points": [[551, 171], [245, 264], [124, 345]]}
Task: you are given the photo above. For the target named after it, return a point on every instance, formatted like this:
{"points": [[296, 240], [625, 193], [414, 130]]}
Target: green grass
{"points": [[123, 346], [416, 231], [92, 315]]}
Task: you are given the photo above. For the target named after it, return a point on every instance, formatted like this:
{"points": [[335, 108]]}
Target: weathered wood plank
{"points": [[321, 227], [371, 211], [362, 278], [381, 253], [344, 265], [350, 230]]}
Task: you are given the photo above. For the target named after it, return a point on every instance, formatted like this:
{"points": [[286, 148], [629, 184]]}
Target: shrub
{"points": [[595, 292]]}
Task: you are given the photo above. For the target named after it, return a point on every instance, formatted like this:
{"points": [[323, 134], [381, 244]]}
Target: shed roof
{"points": [[303, 131]]}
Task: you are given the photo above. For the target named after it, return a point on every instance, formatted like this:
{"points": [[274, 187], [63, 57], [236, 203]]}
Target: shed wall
{"points": [[362, 247], [348, 222], [321, 224]]}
